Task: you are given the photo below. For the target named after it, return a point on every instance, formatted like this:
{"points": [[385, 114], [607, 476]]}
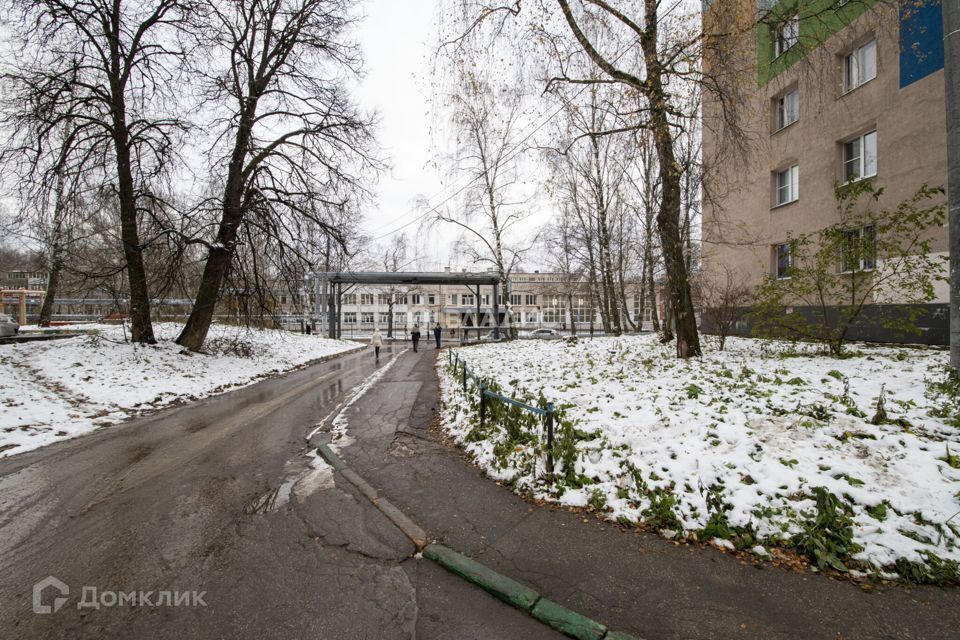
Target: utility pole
{"points": [[951, 77]]}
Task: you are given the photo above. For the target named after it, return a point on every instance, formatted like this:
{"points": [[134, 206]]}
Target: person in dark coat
{"points": [[436, 334], [415, 334]]}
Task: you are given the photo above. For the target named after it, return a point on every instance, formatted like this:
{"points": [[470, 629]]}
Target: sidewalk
{"points": [[631, 581]]}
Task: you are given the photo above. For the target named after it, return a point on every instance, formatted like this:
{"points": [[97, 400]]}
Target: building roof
{"points": [[409, 278]]}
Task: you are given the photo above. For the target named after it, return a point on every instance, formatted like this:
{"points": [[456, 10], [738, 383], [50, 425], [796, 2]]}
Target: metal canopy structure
{"points": [[329, 286]]}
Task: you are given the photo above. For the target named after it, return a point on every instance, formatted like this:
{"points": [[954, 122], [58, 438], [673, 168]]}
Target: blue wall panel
{"points": [[921, 40]]}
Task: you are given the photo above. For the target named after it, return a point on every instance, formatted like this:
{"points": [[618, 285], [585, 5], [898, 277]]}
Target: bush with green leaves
{"points": [[872, 255], [826, 535]]}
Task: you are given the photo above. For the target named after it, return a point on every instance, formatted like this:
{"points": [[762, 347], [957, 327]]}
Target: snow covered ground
{"points": [[732, 445], [64, 388]]}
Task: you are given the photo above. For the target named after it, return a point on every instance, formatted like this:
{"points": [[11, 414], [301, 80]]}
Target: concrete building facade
{"points": [[535, 300], [826, 92]]}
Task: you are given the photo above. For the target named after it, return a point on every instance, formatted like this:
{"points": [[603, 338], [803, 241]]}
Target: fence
{"points": [[548, 413]]}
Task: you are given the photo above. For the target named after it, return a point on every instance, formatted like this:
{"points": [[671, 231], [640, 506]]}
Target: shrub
{"points": [[869, 256]]}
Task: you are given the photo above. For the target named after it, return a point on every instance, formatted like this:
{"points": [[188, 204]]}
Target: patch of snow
{"points": [[762, 422], [60, 389], [338, 426]]}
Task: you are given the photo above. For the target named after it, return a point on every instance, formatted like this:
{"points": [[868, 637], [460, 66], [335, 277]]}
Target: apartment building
{"points": [[827, 92]]}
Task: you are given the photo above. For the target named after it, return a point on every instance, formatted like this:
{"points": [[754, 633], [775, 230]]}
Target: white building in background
{"points": [[536, 300]]}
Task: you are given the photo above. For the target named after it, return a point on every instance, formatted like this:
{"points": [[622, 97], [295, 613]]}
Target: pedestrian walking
{"points": [[415, 334], [376, 340], [436, 334]]}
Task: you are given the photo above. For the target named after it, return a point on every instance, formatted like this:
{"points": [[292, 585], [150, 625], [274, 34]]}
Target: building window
{"points": [[383, 299], [859, 250], [431, 299], [788, 185], [453, 298], [554, 314], [366, 298], [350, 317], [860, 157], [788, 109], [531, 299], [860, 66], [581, 310], [787, 35], [485, 300], [514, 298], [366, 317], [467, 299], [349, 298], [415, 298], [784, 260]]}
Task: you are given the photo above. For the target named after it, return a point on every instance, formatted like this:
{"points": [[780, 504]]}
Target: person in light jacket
{"points": [[376, 340], [415, 334]]}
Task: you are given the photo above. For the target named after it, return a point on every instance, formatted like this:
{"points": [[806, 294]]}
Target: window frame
{"points": [[776, 260], [867, 261], [793, 184], [780, 104], [854, 55], [784, 41], [861, 158]]}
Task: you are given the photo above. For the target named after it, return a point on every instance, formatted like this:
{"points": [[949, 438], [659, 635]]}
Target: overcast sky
{"points": [[398, 40]]}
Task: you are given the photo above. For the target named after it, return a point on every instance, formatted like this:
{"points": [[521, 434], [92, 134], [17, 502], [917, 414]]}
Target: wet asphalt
{"points": [[222, 496], [218, 499]]}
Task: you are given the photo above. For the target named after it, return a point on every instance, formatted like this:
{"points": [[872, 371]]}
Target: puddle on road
{"points": [[298, 484]]}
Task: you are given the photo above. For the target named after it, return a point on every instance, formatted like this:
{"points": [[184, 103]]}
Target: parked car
{"points": [[543, 334], [8, 326], [491, 336]]}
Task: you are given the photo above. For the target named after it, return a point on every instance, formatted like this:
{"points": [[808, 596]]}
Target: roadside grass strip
{"points": [[767, 446]]}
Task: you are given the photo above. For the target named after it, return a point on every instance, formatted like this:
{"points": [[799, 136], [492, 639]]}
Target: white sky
{"points": [[398, 39]]}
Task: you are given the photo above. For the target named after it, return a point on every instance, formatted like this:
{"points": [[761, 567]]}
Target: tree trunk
{"points": [[667, 335], [55, 257], [654, 312], [140, 325], [668, 217], [220, 255], [390, 319]]}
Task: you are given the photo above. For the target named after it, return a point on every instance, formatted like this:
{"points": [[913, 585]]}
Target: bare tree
{"points": [[562, 251], [725, 300], [103, 69], [393, 258], [486, 119], [292, 146]]}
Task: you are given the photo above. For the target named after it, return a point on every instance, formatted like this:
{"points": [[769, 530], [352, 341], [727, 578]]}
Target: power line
{"points": [[510, 157]]}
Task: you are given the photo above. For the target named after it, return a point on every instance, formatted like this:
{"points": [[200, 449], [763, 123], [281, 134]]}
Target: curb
{"points": [[550, 613], [519, 596], [409, 528]]}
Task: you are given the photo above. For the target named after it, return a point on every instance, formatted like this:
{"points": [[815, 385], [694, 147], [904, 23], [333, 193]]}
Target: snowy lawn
{"points": [[60, 389], [761, 447]]}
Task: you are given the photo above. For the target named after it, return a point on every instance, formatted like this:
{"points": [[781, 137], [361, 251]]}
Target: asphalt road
{"points": [[223, 497], [221, 500]]}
